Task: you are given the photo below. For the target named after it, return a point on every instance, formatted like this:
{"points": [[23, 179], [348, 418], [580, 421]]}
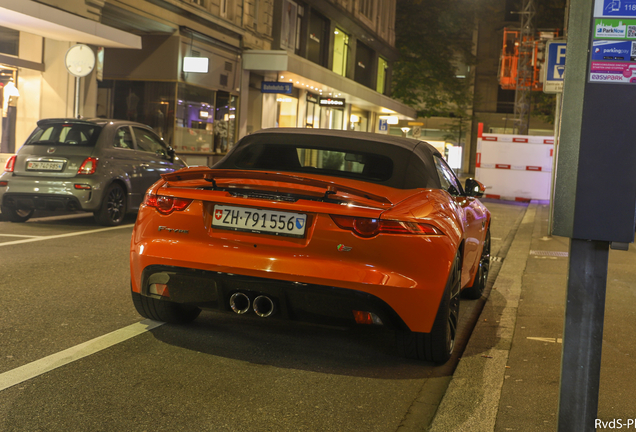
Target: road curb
{"points": [[472, 399]]}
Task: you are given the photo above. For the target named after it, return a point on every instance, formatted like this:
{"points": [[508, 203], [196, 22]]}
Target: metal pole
{"points": [[77, 98], [557, 132], [583, 335]]}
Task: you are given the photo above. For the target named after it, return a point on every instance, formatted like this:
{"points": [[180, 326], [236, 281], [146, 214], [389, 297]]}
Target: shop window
{"points": [[340, 52], [383, 65], [364, 56], [194, 130], [287, 109], [318, 36], [224, 126], [358, 120], [331, 118], [9, 41], [312, 118]]}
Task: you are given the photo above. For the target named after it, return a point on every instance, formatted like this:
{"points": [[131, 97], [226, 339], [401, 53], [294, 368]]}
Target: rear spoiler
{"points": [[211, 175]]}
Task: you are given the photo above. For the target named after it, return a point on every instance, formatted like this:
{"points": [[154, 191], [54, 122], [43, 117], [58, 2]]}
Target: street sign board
{"points": [[383, 125], [276, 87], [555, 67]]}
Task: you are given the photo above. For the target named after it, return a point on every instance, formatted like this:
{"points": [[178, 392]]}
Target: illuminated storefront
{"points": [[185, 86], [320, 97], [34, 80]]}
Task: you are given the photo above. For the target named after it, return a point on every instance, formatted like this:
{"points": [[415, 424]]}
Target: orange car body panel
{"points": [[408, 272]]}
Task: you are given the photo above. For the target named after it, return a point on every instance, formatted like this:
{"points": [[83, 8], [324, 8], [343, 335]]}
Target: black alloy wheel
{"points": [[481, 278], [438, 345], [113, 209], [16, 215]]}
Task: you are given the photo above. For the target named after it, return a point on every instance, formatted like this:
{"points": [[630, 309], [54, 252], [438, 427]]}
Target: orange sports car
{"points": [[315, 225]]}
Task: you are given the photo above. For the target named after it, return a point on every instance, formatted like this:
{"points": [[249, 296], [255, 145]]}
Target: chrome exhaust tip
{"points": [[263, 306], [240, 303]]}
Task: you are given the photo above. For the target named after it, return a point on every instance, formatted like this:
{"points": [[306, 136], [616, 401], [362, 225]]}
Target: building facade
{"points": [[203, 73]]}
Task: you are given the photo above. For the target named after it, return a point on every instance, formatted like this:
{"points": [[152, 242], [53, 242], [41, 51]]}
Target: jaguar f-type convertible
{"points": [[322, 226]]}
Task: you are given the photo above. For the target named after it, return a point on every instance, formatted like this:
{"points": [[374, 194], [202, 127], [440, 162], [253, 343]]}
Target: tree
{"points": [[433, 37]]}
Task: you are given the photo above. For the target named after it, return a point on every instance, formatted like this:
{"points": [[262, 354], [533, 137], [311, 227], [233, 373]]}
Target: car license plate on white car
{"points": [[45, 166], [259, 221]]}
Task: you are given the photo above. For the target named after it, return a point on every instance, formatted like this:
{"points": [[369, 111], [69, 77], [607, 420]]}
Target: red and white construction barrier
{"points": [[515, 167]]}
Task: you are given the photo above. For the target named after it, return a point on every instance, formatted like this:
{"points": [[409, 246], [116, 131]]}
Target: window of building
{"points": [[194, 129], [340, 52], [9, 41], [365, 8], [312, 118], [505, 101], [383, 65], [363, 69], [289, 21], [318, 37], [287, 110]]}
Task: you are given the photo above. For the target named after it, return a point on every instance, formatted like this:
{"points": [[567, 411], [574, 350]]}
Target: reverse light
{"points": [[88, 166], [8, 167], [166, 204], [370, 227]]}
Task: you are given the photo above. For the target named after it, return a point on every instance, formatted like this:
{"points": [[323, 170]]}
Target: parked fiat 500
{"points": [[97, 165]]}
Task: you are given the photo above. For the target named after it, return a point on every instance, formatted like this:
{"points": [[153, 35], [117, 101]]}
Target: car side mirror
{"points": [[171, 154], [474, 188]]}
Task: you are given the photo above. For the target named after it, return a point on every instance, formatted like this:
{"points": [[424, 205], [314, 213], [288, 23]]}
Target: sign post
{"points": [[555, 67], [80, 62], [554, 72], [597, 125]]}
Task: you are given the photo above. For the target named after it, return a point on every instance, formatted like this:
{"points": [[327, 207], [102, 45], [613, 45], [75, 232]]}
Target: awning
{"points": [[305, 74], [36, 18]]}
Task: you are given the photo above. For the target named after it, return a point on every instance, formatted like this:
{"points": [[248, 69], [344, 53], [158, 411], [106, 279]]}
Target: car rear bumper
{"points": [[292, 300], [50, 194]]}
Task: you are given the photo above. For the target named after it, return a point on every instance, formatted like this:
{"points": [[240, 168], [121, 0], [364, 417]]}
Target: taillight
{"points": [[88, 166], [368, 227], [10, 164], [166, 204]]}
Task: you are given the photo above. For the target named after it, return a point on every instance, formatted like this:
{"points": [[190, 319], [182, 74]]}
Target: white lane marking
{"points": [[54, 361], [495, 238], [542, 339], [63, 235], [18, 235]]}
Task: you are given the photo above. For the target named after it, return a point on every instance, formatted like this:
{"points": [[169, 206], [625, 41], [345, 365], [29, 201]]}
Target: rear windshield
{"points": [[65, 133], [364, 166]]}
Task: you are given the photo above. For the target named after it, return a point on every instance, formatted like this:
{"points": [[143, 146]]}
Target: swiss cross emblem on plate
{"points": [[218, 214]]}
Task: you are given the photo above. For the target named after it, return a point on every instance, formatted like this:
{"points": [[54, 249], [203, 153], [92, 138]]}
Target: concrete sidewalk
{"points": [[508, 377]]}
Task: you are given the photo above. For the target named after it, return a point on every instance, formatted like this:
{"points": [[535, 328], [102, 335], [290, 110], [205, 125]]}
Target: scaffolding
{"points": [[522, 58]]}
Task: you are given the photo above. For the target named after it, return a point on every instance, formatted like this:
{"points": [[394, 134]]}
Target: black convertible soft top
{"points": [[408, 163]]}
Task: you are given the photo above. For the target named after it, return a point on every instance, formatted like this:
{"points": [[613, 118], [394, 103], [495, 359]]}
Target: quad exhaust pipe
{"points": [[240, 303], [263, 306]]}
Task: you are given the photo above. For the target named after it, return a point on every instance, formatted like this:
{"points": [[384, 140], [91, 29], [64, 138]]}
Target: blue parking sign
{"points": [[554, 67], [383, 125]]}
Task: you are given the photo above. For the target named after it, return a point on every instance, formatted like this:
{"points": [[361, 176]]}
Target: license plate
{"points": [[259, 221], [45, 166]]}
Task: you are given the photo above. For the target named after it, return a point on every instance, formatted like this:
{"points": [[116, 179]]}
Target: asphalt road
{"points": [[74, 356]]}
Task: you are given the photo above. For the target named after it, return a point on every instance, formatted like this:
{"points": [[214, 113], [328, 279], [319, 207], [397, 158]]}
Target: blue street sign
{"points": [[615, 8], [555, 67], [383, 125], [276, 87]]}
